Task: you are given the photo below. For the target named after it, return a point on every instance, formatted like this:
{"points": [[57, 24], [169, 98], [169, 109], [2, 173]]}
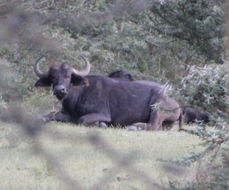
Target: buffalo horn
{"points": [[85, 71], [37, 70]]}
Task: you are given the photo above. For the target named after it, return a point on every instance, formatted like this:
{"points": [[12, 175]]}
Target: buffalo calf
{"points": [[192, 115]]}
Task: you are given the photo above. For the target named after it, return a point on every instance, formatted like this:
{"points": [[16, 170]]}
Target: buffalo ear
{"points": [[77, 80], [43, 82]]}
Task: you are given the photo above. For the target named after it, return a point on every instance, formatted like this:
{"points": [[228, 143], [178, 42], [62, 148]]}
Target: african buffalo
{"points": [[170, 110], [192, 115], [91, 99]]}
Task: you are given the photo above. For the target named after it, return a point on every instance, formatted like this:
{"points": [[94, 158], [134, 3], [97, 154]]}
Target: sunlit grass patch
{"points": [[89, 163]]}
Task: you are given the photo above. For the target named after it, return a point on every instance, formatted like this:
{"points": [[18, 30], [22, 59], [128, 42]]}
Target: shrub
{"points": [[205, 87], [11, 82], [199, 23]]}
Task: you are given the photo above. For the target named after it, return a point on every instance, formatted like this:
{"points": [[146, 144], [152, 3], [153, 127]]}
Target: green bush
{"points": [[200, 23], [113, 36], [12, 84], [206, 87]]}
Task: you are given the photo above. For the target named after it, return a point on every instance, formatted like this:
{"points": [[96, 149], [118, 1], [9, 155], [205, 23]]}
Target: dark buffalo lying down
{"points": [[164, 118], [192, 115], [91, 99]]}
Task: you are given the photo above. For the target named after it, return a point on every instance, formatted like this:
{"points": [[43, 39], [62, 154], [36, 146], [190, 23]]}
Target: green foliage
{"points": [[206, 87], [213, 160], [11, 83], [198, 22], [114, 35], [157, 43], [221, 173]]}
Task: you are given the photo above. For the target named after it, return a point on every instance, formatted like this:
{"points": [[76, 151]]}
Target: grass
{"points": [[88, 162]]}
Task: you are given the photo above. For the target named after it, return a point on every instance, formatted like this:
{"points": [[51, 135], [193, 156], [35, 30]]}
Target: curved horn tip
{"points": [[37, 70], [85, 59], [86, 70]]}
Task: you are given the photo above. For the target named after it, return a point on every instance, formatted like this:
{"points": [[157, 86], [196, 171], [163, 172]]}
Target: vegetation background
{"points": [[177, 41]]}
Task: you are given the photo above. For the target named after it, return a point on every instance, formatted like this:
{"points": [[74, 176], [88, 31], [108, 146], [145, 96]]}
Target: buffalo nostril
{"points": [[63, 90], [60, 89]]}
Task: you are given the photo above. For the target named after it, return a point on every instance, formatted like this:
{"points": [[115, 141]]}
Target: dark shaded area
{"points": [[192, 115]]}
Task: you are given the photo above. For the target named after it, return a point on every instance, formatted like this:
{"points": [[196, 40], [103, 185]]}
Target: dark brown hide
{"points": [[192, 115], [162, 119], [121, 75], [126, 76], [94, 98]]}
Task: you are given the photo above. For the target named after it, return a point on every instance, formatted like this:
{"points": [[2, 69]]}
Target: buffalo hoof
{"points": [[132, 128], [101, 124], [137, 126]]}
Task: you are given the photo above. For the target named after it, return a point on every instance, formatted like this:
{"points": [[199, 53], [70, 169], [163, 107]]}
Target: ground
{"points": [[93, 158]]}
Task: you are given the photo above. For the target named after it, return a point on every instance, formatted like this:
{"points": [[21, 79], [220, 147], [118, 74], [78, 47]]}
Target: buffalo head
{"points": [[61, 77]]}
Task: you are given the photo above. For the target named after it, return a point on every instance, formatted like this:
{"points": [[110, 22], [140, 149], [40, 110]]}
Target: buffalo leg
{"points": [[93, 119], [57, 116], [181, 122], [154, 122]]}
